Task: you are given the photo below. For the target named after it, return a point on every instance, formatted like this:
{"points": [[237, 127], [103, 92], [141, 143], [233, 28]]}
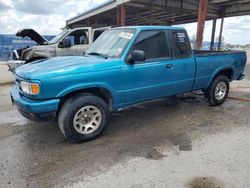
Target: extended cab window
{"points": [[153, 43], [182, 48]]}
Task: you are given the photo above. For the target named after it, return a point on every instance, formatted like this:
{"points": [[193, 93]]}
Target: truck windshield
{"points": [[111, 43], [58, 37]]}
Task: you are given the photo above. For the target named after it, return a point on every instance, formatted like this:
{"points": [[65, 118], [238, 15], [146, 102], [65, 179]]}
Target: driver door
{"points": [[161, 74], [147, 80]]}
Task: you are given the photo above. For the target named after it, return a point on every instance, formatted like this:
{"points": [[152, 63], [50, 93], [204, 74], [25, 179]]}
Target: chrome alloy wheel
{"points": [[220, 91], [87, 120]]}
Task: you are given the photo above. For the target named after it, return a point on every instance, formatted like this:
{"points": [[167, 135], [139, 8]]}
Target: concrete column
{"points": [[121, 15], [203, 4], [213, 34]]}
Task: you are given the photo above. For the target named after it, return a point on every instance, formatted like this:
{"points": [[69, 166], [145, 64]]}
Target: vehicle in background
{"points": [[70, 42], [124, 66]]}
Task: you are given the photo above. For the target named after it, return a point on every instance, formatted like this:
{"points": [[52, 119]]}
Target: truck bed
{"points": [[209, 63]]}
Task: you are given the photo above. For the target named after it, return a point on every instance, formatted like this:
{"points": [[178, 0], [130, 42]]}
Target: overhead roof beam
{"points": [[237, 9], [160, 11], [188, 5]]}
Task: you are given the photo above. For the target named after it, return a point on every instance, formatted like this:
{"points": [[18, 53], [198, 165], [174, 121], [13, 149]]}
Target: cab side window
{"points": [[79, 37], [153, 43], [181, 43]]}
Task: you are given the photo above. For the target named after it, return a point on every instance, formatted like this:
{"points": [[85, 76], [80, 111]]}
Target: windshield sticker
{"points": [[126, 35], [181, 37]]}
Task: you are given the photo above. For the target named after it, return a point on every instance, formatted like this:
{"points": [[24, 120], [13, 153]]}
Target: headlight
{"points": [[30, 88]]}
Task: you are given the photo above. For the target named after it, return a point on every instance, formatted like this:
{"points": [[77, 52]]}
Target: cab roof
{"points": [[149, 27]]}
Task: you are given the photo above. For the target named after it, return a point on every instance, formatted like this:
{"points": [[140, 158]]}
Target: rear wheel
{"points": [[83, 117], [217, 92]]}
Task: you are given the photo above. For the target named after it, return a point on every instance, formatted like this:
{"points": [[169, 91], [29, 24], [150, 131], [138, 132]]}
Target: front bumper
{"points": [[13, 64], [36, 110]]}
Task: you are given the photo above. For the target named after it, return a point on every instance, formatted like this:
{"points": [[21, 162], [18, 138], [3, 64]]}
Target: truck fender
{"points": [[217, 72], [79, 87]]}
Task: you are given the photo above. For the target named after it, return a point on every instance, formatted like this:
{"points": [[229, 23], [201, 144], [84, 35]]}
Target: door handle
{"points": [[169, 66]]}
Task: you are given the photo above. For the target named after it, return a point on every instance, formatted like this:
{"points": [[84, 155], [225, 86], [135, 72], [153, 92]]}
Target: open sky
{"points": [[48, 16]]}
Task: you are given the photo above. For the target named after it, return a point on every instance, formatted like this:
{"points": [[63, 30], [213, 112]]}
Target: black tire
{"points": [[70, 109], [210, 92]]}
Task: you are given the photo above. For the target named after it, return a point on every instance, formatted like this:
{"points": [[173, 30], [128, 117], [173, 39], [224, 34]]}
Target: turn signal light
{"points": [[34, 88]]}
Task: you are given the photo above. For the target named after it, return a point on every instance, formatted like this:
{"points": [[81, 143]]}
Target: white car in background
{"points": [[68, 42]]}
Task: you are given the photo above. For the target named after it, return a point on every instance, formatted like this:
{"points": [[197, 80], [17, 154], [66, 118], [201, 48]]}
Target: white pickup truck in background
{"points": [[68, 42]]}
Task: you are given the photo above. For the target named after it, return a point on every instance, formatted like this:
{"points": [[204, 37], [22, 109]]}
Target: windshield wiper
{"points": [[98, 54]]}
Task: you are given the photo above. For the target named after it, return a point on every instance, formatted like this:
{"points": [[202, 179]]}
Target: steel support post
{"points": [[121, 15], [213, 34], [221, 31], [203, 4]]}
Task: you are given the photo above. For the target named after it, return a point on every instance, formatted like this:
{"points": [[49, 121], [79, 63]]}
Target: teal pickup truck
{"points": [[123, 67]]}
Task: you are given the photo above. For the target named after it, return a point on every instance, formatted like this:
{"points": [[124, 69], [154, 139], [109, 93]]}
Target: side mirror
{"points": [[65, 43], [60, 44], [137, 55]]}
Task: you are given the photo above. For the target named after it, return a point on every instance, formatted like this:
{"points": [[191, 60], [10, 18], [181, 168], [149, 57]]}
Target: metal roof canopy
{"points": [[158, 12], [163, 12]]}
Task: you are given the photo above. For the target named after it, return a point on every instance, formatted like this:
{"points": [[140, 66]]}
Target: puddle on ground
{"points": [[182, 141], [205, 182], [233, 105], [206, 124], [171, 101], [154, 154], [174, 144]]}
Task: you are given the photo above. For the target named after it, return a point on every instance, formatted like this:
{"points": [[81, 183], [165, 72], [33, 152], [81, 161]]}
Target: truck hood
{"points": [[38, 51], [31, 33], [60, 66]]}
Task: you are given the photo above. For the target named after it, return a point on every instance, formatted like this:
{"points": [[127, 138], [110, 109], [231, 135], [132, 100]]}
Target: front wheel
{"points": [[83, 117], [217, 92]]}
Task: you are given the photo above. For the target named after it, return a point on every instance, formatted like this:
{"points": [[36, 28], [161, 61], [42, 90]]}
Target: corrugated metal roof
{"points": [[92, 9], [158, 12]]}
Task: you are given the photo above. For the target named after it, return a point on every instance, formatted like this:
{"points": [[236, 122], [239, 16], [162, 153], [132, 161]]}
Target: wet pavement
{"points": [[173, 142]]}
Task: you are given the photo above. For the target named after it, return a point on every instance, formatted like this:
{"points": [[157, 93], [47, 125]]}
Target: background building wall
{"points": [[8, 43]]}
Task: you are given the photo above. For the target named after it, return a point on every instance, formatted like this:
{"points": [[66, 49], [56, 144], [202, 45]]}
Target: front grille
{"points": [[18, 82]]}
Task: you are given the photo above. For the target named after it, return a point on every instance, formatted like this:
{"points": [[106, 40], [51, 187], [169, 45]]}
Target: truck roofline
{"points": [[148, 27]]}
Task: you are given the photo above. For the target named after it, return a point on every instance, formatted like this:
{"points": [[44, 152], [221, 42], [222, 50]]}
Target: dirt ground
{"points": [[175, 142], [5, 75]]}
